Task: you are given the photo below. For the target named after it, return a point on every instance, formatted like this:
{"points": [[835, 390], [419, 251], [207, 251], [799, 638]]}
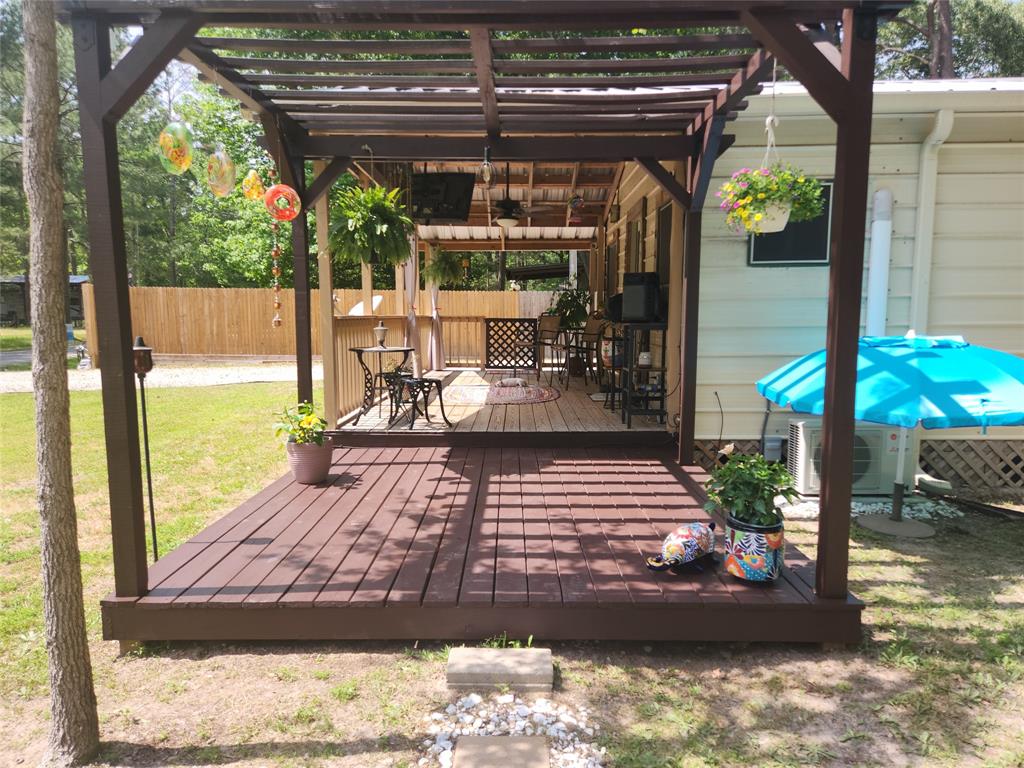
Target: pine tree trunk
{"points": [[74, 730]]}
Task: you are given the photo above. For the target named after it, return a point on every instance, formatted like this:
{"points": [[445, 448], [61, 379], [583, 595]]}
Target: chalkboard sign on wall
{"points": [[803, 243]]}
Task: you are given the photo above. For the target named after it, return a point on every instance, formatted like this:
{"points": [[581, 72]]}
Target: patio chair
{"points": [[587, 346], [547, 337]]}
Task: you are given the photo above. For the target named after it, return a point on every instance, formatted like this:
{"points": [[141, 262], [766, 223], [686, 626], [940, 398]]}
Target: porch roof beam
{"points": [[122, 86], [510, 244], [563, 148]]}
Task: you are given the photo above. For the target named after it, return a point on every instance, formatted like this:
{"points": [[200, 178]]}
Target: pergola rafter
{"points": [[481, 86]]}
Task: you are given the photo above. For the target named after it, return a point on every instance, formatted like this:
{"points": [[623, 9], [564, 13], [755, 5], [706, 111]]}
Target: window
{"points": [[636, 229], [664, 238], [804, 243], [611, 274]]}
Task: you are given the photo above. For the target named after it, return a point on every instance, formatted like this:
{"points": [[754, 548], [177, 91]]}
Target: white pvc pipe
{"points": [[878, 263]]}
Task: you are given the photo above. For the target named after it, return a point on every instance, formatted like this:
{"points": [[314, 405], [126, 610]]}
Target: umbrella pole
{"points": [[899, 487]]}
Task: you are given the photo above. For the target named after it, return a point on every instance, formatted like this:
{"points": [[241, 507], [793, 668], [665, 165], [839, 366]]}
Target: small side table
{"points": [[370, 385]]}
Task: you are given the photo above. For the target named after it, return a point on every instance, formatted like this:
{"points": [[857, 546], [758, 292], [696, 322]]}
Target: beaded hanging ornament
{"points": [[275, 269]]}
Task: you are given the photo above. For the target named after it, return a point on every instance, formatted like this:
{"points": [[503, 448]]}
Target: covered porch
{"points": [[454, 543]]}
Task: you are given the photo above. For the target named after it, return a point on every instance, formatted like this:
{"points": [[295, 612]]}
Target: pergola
{"points": [[528, 80]]}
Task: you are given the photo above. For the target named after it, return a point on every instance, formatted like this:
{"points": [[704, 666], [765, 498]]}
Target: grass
{"points": [[211, 448], [21, 338], [937, 681]]}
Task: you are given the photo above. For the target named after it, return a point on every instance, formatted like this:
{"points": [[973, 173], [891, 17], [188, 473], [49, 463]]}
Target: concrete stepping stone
{"points": [[502, 752], [523, 669]]}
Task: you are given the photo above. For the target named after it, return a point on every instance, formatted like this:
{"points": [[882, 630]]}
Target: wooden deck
{"points": [[573, 411], [455, 543]]}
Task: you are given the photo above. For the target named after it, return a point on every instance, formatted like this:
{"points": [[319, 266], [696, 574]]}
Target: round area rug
{"points": [[495, 395]]}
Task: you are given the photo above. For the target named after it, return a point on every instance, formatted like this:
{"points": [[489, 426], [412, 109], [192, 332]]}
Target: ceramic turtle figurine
{"points": [[687, 548]]}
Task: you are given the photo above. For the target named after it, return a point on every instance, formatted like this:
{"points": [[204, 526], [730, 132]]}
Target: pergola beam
{"points": [[325, 180], [665, 180], [802, 58], [511, 148], [480, 40], [122, 86]]}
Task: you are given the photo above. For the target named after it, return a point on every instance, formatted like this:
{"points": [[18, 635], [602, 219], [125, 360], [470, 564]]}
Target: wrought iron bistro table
{"points": [[370, 381]]}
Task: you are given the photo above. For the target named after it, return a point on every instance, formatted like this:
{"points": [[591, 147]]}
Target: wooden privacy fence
{"points": [[237, 321]]}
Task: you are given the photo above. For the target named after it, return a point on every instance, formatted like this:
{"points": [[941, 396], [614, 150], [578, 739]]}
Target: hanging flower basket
{"points": [[762, 200]]}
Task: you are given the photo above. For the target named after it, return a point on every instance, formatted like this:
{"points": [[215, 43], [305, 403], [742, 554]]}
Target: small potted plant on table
{"points": [[745, 488], [308, 448]]}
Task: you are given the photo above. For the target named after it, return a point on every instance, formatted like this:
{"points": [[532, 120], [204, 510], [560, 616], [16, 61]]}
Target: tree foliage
{"points": [[177, 233], [986, 40]]}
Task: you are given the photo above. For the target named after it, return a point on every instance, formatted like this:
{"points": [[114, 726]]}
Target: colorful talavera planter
{"points": [[310, 462], [754, 552]]}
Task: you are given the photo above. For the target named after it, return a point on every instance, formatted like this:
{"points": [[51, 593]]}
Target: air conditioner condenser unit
{"points": [[875, 451]]}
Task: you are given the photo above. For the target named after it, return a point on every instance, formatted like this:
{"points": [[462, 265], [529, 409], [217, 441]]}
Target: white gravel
{"points": [[914, 508], [570, 734], [172, 375]]}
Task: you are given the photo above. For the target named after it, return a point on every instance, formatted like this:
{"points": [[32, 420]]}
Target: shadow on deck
{"points": [[441, 542]]}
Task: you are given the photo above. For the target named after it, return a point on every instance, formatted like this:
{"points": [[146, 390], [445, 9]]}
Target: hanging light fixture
{"points": [[486, 169]]}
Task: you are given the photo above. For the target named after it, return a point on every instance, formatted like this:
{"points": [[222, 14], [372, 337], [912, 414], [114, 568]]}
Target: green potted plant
{"points": [[745, 488], [762, 200], [445, 268], [308, 448], [573, 306], [370, 225]]}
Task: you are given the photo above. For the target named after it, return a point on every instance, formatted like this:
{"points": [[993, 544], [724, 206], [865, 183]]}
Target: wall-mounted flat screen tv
{"points": [[442, 198]]}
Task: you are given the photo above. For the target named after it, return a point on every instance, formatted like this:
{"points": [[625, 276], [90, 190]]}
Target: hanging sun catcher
{"points": [[275, 260]]}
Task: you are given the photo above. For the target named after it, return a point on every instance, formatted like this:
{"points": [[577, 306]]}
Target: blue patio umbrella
{"points": [[934, 382]]}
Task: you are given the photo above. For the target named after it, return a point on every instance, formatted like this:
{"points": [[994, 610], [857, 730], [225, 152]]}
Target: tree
{"points": [[944, 39], [74, 728]]}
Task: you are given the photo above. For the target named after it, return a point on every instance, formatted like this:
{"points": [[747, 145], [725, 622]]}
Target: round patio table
{"points": [[370, 386]]}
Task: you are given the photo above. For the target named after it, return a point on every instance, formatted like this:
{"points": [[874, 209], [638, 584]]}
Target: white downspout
{"points": [[924, 225], [878, 263]]}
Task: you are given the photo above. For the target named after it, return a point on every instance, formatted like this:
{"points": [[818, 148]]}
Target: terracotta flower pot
{"points": [[754, 552], [310, 462], [776, 217]]}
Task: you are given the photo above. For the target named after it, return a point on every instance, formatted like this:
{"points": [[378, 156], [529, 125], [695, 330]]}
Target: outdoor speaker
{"points": [[640, 297]]}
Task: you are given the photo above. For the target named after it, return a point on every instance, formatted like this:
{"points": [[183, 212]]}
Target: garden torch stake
{"points": [[143, 357]]}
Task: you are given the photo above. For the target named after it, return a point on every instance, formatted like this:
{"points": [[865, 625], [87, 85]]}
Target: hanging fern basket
{"points": [[370, 225]]}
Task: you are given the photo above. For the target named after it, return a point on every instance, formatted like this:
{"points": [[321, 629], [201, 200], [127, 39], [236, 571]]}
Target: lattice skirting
{"points": [[975, 463], [964, 463]]}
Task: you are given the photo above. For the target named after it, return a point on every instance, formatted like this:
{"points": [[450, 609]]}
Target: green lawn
{"points": [[211, 447], [21, 338]]}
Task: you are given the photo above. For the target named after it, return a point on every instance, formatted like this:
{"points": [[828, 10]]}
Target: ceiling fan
{"points": [[507, 212]]}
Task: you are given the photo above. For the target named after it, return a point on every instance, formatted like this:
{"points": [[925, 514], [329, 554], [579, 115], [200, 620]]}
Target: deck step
{"points": [[502, 752], [523, 669]]}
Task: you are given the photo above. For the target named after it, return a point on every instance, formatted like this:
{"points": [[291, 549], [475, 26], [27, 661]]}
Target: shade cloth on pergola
{"points": [[530, 80]]}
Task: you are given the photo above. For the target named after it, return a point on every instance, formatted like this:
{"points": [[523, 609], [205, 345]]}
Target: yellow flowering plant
{"points": [[300, 425], [747, 195]]}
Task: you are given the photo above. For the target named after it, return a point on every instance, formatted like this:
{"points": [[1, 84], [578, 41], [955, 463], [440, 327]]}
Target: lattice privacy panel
{"points": [[503, 337], [975, 463], [706, 452]]}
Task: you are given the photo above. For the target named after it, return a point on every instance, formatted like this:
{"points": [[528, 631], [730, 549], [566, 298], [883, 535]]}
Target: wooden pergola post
{"points": [[846, 95], [849, 214], [688, 335], [105, 93], [326, 282]]}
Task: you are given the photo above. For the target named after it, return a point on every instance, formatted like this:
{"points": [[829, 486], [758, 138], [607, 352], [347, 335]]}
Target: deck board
{"points": [[452, 542]]}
